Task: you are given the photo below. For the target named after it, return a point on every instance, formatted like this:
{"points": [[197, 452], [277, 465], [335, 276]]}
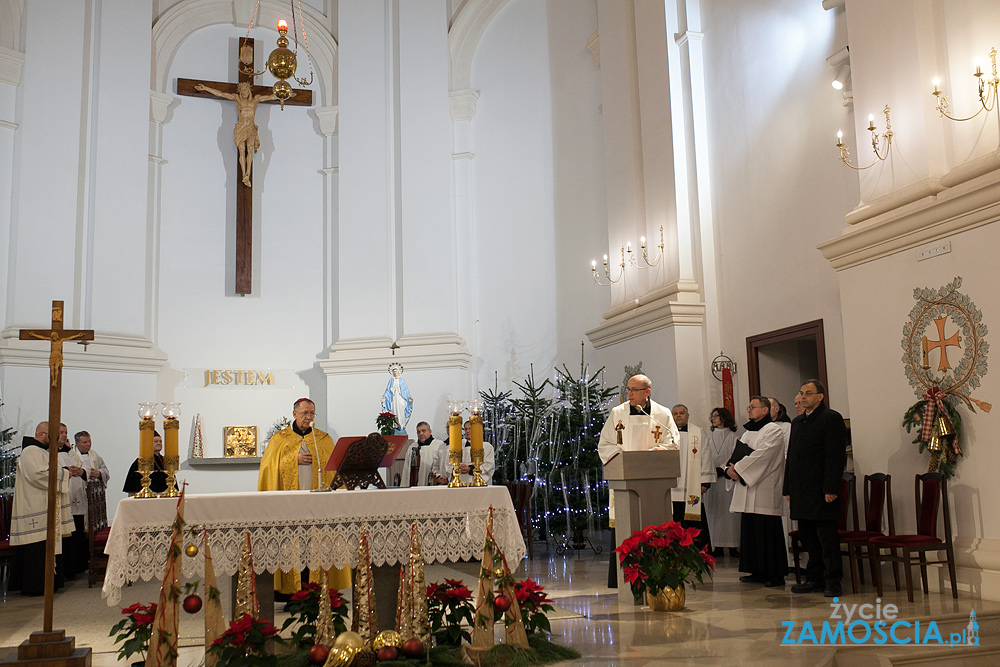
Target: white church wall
{"points": [[778, 188], [200, 323], [880, 294], [46, 204], [538, 192]]}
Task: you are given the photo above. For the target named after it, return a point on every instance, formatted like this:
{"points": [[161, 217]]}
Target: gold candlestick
{"points": [[145, 469], [477, 471], [455, 459]]}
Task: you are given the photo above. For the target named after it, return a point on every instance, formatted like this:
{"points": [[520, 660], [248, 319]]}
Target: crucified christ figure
{"points": [[245, 132]]}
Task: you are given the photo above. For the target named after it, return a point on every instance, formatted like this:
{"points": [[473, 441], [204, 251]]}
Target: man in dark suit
{"points": [[817, 454]]}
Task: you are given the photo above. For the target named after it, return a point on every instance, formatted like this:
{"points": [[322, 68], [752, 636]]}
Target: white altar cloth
{"points": [[293, 530]]}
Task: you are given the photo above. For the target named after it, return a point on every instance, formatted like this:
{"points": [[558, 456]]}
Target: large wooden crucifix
{"points": [[55, 335], [245, 136]]}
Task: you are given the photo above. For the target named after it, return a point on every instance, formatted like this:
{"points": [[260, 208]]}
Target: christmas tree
{"points": [[548, 437]]}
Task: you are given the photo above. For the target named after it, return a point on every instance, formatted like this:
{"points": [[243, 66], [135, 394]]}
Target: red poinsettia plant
{"points": [[664, 556], [534, 603], [450, 609], [134, 630], [245, 643], [303, 608], [386, 423]]}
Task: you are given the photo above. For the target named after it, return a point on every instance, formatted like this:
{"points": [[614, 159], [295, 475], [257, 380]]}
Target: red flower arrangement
{"points": [[135, 629], [534, 603], [303, 608], [245, 643], [449, 608], [386, 423], [663, 556]]}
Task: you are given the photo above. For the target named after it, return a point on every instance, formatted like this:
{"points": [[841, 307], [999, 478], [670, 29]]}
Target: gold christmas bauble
{"points": [[350, 640], [387, 638], [498, 572], [339, 656], [191, 550]]}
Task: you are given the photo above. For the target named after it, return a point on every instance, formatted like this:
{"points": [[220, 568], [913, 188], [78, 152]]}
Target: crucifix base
{"points": [[51, 649]]}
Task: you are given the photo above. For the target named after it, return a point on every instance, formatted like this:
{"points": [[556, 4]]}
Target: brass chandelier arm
{"points": [[987, 92]]}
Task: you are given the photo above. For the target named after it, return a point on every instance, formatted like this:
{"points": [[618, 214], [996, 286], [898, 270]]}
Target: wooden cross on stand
{"points": [[247, 142], [55, 335]]}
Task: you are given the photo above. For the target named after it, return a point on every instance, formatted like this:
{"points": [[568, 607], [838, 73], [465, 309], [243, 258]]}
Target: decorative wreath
{"points": [[941, 388]]}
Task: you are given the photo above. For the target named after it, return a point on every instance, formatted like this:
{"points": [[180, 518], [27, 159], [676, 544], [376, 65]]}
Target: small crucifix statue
{"points": [[55, 335], [246, 96]]}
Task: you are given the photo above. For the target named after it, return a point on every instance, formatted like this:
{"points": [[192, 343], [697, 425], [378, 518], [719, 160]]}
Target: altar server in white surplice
{"points": [[758, 481], [639, 425], [28, 527], [687, 495], [423, 457]]}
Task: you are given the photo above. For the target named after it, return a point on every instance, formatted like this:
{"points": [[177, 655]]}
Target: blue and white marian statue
{"points": [[396, 398]]}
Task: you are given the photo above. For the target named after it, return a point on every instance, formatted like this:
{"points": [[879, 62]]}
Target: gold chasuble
{"points": [[280, 471]]}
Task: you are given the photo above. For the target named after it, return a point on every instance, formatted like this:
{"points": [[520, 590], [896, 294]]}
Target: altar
{"points": [[293, 530]]}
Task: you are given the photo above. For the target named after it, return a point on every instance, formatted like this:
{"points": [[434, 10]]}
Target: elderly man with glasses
{"points": [[758, 478], [639, 424]]}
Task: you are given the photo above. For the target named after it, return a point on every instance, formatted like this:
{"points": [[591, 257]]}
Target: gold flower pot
{"points": [[668, 599]]}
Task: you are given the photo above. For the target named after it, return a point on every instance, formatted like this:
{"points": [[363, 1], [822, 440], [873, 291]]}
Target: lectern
{"points": [[641, 482]]}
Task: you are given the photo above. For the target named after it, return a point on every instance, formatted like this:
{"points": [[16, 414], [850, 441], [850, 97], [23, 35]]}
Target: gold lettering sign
{"points": [[241, 441], [238, 377]]}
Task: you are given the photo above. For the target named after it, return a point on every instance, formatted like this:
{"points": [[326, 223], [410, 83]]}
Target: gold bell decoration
{"points": [[943, 426], [387, 638]]}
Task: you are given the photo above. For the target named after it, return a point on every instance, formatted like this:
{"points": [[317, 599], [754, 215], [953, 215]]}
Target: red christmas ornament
{"points": [[413, 648], [192, 604], [318, 654], [387, 653], [501, 603]]}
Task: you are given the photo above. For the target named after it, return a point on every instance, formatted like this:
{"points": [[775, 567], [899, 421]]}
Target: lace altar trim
{"points": [[315, 544]]}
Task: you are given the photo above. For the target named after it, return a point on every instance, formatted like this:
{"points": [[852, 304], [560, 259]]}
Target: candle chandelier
{"points": [[987, 92], [881, 143], [283, 61], [627, 250]]}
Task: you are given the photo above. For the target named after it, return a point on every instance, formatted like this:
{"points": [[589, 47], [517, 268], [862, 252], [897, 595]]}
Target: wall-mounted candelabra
{"points": [[632, 259], [881, 143], [987, 91]]}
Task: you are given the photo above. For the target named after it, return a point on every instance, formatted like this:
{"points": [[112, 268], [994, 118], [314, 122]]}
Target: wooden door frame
{"points": [[814, 327]]}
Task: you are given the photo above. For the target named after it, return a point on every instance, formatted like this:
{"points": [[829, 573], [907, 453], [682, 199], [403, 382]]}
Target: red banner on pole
{"points": [[727, 391]]}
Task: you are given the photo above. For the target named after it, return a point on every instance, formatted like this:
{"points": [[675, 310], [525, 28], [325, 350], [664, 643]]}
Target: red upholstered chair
{"points": [[930, 492], [520, 495], [848, 508], [97, 531], [878, 499]]}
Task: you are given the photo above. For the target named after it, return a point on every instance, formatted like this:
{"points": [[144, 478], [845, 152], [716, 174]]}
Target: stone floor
{"points": [[724, 623]]}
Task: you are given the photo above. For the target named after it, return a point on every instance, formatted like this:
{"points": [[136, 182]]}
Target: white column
{"points": [[366, 247]]}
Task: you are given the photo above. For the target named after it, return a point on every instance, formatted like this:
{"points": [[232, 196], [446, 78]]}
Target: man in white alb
{"points": [[639, 425]]}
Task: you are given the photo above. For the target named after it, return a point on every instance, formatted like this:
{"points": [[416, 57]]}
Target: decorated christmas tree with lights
{"points": [[548, 437]]}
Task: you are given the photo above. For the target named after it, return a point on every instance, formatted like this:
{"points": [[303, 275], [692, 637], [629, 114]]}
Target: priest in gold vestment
{"points": [[294, 459]]}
